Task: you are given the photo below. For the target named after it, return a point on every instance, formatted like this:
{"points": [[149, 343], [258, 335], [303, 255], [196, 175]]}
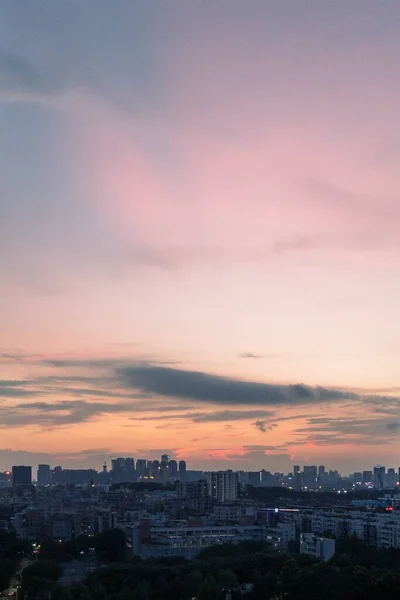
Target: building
{"points": [[192, 489], [130, 464], [154, 469], [43, 475], [367, 477], [223, 486], [21, 475], [310, 473], [319, 547], [178, 539], [254, 478], [391, 478], [268, 479], [173, 469], [379, 477], [182, 470], [141, 468], [194, 494]]}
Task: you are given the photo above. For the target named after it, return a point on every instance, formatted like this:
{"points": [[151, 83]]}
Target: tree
{"points": [[210, 590], [62, 594], [48, 570], [192, 583], [141, 592], [227, 579], [99, 592], [264, 586], [288, 576]]}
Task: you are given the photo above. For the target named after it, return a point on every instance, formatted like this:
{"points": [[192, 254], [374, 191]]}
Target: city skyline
{"points": [[199, 233], [141, 464]]}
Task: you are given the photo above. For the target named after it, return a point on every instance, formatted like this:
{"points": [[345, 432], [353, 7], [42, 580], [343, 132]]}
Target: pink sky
{"points": [[205, 183]]}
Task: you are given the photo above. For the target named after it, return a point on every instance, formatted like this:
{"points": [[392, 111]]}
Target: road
{"points": [[12, 591]]}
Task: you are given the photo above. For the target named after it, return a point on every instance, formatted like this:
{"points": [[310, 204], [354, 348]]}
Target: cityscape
{"points": [[163, 500], [167, 470], [160, 509], [199, 300]]}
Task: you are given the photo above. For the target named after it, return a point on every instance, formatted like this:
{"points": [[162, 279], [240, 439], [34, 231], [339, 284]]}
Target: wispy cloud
{"points": [[264, 426], [204, 387], [21, 79]]}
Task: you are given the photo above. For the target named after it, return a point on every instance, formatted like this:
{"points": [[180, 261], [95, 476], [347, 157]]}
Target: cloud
{"points": [[264, 426], [203, 387], [250, 453], [20, 78], [250, 355], [367, 431], [116, 385], [393, 426], [68, 412], [10, 388], [230, 415], [204, 417]]}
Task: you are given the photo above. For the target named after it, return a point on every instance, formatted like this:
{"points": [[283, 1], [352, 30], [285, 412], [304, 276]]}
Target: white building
{"points": [[319, 547], [182, 540], [223, 485]]}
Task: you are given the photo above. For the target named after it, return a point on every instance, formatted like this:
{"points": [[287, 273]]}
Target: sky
{"points": [[199, 216]]}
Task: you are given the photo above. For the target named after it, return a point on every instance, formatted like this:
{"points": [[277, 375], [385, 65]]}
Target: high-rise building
{"points": [[56, 475], [165, 458], [223, 486], [391, 478], [367, 477], [118, 464], [21, 475], [173, 469], [155, 469], [141, 467], [254, 478], [182, 470], [194, 494], [296, 470], [43, 475], [118, 470], [321, 471], [130, 464], [310, 473], [379, 478]]}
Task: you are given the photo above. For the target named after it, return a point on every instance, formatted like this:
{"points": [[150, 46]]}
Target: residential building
{"points": [[323, 548], [43, 475], [21, 475]]}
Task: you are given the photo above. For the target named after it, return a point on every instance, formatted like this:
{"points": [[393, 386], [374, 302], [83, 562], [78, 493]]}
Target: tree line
{"points": [[249, 570]]}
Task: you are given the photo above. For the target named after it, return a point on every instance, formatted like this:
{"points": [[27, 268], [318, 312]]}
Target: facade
{"points": [[44, 475], [173, 469], [223, 486], [21, 475], [254, 478], [182, 470], [310, 474], [182, 540], [323, 548], [194, 494], [391, 478], [379, 477]]}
